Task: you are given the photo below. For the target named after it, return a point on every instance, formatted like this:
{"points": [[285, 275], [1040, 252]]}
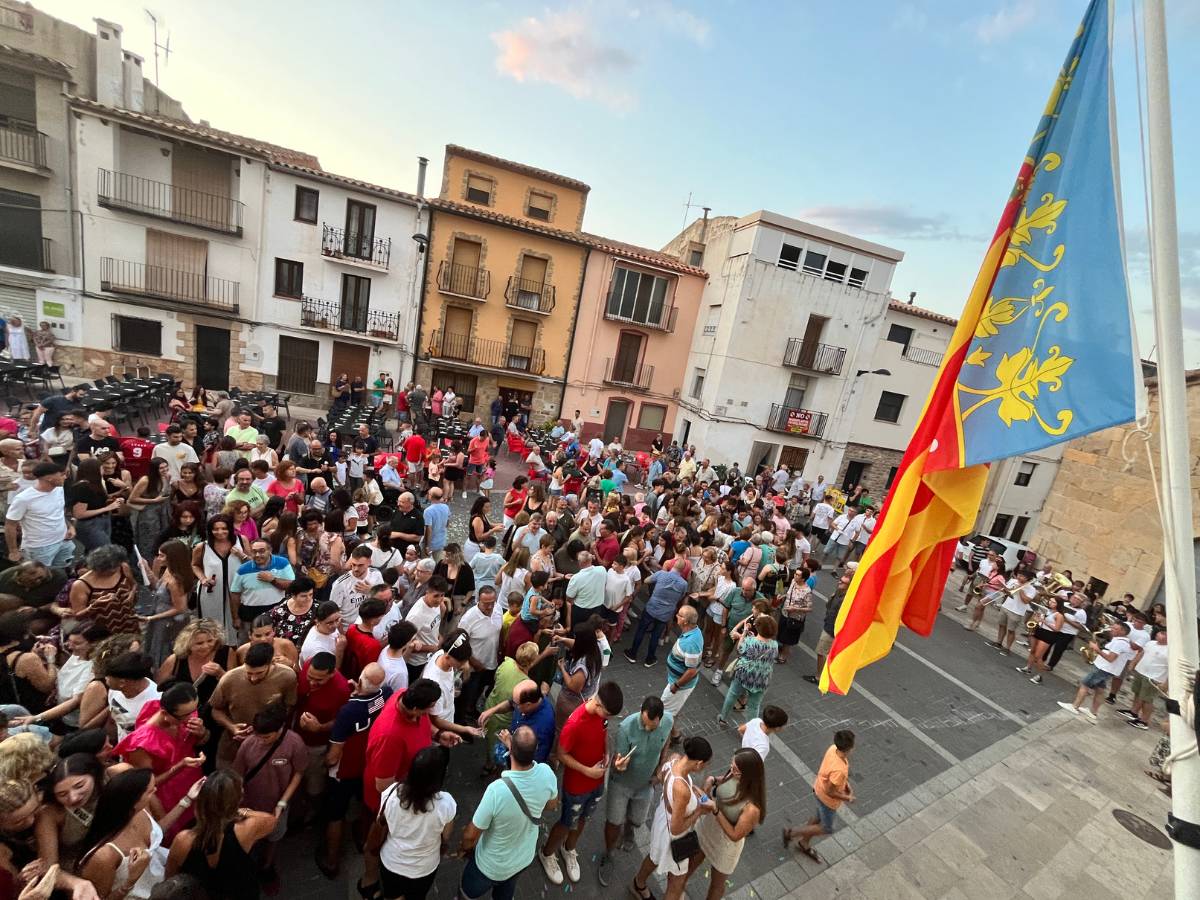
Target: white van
{"points": [[1011, 553]]}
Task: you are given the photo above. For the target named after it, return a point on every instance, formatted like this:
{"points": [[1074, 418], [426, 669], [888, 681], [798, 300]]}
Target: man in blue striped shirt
{"points": [[683, 664]]}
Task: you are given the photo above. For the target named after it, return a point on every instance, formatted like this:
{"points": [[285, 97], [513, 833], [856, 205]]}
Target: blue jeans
{"points": [[655, 627], [56, 556], [475, 884]]}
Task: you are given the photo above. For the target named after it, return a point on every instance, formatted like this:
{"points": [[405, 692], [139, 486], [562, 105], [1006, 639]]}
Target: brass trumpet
{"points": [[1101, 637]]}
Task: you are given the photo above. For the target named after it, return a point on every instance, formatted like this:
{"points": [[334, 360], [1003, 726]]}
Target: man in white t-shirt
{"points": [[39, 512], [839, 536], [127, 678], [861, 527], [1149, 675], [595, 448], [756, 733], [822, 515], [1013, 611], [819, 489], [982, 573], [618, 590], [175, 452], [482, 623], [354, 585], [426, 615], [1139, 637], [1110, 661]]}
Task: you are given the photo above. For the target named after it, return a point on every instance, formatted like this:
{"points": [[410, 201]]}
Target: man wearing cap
{"points": [[46, 535]]}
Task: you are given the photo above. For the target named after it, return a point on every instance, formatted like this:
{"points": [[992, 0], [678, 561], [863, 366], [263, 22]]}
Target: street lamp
{"points": [[872, 372]]}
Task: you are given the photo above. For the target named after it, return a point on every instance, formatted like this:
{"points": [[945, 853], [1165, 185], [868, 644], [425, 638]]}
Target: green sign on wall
{"points": [[54, 310]]}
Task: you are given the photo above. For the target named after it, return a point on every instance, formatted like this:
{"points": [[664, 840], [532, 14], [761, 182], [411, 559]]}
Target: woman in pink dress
{"points": [[165, 741], [435, 401]]}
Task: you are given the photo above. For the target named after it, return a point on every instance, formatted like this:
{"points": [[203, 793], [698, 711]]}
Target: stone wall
{"points": [[1101, 519], [880, 461], [547, 395]]}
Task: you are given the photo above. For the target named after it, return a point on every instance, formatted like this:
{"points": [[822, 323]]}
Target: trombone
{"points": [[1100, 636]]}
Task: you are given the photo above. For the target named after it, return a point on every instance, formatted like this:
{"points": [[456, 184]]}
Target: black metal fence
{"points": [[339, 243], [466, 281], [791, 420], [126, 277], [662, 319], [21, 142], [334, 316], [493, 354], [816, 357], [624, 375], [132, 193], [524, 293]]}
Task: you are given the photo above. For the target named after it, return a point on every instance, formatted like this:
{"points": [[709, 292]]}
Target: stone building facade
{"points": [[1101, 517], [872, 467]]}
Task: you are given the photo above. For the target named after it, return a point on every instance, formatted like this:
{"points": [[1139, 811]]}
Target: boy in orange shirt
{"points": [[832, 788]]}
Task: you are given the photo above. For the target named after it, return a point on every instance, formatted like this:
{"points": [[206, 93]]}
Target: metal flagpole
{"points": [[1179, 570]]}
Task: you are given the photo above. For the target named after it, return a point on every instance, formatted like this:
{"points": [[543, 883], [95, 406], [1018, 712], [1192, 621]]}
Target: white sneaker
{"points": [[550, 864], [1069, 707], [716, 679], [960, 608], [571, 858], [1090, 716]]}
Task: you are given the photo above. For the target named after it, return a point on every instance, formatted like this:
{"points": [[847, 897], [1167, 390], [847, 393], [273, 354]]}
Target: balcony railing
{"points": [[791, 420], [125, 277], [816, 357], [524, 293], [922, 356], [465, 281], [622, 375], [21, 142], [494, 354], [662, 319], [338, 243], [131, 193], [47, 255], [334, 316]]}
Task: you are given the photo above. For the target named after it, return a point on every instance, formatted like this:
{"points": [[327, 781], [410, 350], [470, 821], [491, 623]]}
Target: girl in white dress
{"points": [[18, 342]]}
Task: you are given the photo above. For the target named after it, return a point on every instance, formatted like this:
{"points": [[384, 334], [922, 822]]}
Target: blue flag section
{"points": [[1053, 355]]}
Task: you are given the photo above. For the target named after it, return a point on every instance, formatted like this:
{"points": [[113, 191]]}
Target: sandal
{"points": [[810, 853], [642, 893], [373, 892]]}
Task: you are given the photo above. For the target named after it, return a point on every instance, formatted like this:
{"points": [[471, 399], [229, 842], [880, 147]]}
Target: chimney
{"points": [[134, 85], [912, 296], [422, 165], [704, 224], [109, 64]]}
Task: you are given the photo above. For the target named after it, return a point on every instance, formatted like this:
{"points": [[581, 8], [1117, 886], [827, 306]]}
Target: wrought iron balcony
{"points": [[28, 253], [47, 255], [922, 356], [662, 319], [524, 293], [801, 354], [334, 316], [493, 354], [338, 243], [122, 276], [622, 375], [464, 281], [21, 142], [791, 420], [160, 200]]}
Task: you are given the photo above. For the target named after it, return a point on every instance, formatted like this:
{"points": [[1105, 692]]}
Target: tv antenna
{"points": [[165, 48], [688, 207]]}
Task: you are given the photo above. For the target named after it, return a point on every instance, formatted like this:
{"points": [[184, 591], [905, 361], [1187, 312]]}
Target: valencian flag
{"points": [[1044, 352]]}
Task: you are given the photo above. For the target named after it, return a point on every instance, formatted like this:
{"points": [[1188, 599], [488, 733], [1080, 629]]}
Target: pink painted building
{"points": [[633, 331]]}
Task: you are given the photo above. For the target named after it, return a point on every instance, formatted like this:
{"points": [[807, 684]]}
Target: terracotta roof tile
{"points": [[921, 312], [643, 254], [364, 186], [237, 142], [533, 171]]}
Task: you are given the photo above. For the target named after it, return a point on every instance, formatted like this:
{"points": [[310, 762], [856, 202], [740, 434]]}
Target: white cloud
{"points": [[885, 221], [1007, 21]]}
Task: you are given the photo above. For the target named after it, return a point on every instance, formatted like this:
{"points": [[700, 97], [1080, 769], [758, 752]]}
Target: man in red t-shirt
{"points": [[581, 749], [402, 731], [362, 647], [321, 691], [137, 452], [414, 456], [607, 545]]}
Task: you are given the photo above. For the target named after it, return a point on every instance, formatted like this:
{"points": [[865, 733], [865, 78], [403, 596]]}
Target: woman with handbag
{"points": [[756, 655], [672, 840], [740, 798], [797, 604]]}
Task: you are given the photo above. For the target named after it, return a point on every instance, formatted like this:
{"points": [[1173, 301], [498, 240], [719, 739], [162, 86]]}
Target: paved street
{"points": [[946, 717]]}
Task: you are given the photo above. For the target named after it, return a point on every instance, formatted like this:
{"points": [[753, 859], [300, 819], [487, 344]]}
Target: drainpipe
{"points": [[422, 239], [587, 254]]}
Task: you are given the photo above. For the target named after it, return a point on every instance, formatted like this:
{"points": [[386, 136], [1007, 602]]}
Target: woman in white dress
{"points": [[741, 805], [18, 340], [681, 806], [215, 563]]}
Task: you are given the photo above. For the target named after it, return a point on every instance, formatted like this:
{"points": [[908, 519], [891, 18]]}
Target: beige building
{"points": [[1100, 519]]}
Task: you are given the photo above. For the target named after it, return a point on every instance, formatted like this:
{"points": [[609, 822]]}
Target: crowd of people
{"points": [[249, 628]]}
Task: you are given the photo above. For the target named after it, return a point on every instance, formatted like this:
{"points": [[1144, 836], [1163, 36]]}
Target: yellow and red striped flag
{"points": [[1044, 352]]}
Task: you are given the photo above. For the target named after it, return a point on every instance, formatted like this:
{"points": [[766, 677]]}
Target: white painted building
{"points": [[1016, 491], [340, 276], [789, 313]]}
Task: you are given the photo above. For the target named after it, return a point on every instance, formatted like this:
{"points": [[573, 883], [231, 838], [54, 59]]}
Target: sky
{"points": [[898, 122]]}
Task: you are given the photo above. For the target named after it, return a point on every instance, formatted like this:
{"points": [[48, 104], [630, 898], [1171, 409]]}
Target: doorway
{"points": [[212, 358], [855, 471], [615, 420], [353, 359], [625, 363], [456, 333], [793, 457], [515, 401]]}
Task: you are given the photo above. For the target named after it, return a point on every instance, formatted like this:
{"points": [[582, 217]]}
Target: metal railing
{"points": [[663, 320], [125, 277], [47, 255], [816, 357], [792, 420], [494, 354], [638, 377], [922, 356], [339, 243], [465, 281], [21, 142], [334, 316], [132, 193], [525, 293]]}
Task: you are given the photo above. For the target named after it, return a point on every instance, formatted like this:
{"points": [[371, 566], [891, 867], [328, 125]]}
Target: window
{"points": [[858, 277], [356, 301], [696, 258], [1096, 587], [521, 344], [1025, 474], [1018, 531], [900, 334], [697, 383], [835, 272], [132, 335], [289, 278], [464, 385], [297, 365], [638, 297], [625, 363], [479, 189], [539, 206], [360, 230], [789, 257], [651, 417], [814, 263], [889, 407], [1000, 526], [20, 228], [306, 206], [797, 387], [891, 477]]}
